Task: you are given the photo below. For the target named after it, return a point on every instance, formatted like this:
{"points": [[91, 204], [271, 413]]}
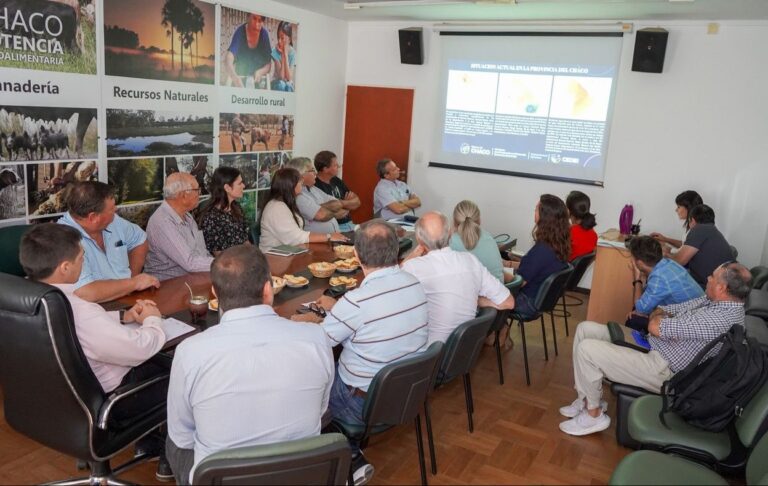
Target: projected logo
{"points": [[465, 148], [554, 158]]}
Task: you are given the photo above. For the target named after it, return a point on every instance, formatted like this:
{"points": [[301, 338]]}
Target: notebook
{"points": [[286, 250]]}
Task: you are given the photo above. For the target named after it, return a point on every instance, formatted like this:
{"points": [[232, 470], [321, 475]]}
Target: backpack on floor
{"points": [[710, 394]]}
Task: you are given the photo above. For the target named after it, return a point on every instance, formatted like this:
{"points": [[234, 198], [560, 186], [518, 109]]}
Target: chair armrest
{"points": [[162, 359], [123, 392]]}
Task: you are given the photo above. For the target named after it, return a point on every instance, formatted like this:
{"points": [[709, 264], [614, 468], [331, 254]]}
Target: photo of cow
{"points": [[12, 192], [243, 132]]}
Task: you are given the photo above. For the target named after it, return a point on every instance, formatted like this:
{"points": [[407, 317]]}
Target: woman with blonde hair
{"points": [[469, 236]]}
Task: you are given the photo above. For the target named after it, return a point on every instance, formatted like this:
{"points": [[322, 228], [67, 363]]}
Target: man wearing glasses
{"points": [[176, 244]]}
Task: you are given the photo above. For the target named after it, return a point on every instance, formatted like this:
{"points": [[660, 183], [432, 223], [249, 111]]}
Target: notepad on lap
{"points": [[172, 328], [286, 250]]}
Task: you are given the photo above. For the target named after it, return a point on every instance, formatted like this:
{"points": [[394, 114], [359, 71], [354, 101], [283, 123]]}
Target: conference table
{"points": [[172, 297]]}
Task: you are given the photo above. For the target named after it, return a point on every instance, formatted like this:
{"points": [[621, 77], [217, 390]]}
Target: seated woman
{"points": [[469, 236], [280, 221], [549, 254], [583, 235], [222, 220], [685, 201]]}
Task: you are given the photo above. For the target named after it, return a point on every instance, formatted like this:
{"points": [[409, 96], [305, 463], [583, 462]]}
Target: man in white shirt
{"points": [[318, 209], [255, 378], [456, 283], [392, 197], [52, 253]]}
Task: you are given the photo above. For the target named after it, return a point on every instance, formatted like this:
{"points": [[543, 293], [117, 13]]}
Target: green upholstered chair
{"points": [[759, 276], [650, 467], [546, 299], [318, 460], [716, 449], [395, 397], [10, 239]]}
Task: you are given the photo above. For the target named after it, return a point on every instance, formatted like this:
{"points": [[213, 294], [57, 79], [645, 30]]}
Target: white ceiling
{"points": [[549, 10]]}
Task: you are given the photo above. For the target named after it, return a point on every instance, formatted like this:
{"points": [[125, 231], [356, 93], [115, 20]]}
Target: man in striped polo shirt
{"points": [[382, 321]]}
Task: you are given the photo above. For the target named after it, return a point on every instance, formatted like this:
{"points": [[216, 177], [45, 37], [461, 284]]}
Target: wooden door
{"points": [[378, 125]]}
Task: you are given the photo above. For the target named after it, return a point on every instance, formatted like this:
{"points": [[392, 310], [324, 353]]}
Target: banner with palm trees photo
{"points": [[170, 40]]}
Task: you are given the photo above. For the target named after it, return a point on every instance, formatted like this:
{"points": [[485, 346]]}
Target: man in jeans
{"points": [[677, 333], [382, 321]]}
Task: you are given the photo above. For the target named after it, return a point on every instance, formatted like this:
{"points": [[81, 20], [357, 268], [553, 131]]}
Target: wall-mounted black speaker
{"points": [[411, 47], [650, 47]]}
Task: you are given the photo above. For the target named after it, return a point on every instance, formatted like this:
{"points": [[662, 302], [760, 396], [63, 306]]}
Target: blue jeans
{"points": [[346, 227], [346, 407], [524, 306]]}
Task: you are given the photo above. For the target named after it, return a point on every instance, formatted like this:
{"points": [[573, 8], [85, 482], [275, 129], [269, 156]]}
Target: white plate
{"points": [[346, 270]]}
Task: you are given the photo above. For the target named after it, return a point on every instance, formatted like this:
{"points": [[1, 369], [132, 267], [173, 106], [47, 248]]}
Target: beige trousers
{"points": [[595, 358]]}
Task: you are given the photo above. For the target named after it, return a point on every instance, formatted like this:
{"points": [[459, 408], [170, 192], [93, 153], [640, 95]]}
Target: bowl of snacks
{"points": [[295, 281], [344, 251], [277, 284], [347, 265], [348, 282], [321, 269]]}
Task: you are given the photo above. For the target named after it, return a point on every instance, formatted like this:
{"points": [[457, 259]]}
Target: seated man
{"points": [[666, 283], [705, 247], [392, 197], [51, 253], [328, 181], [319, 210], [456, 283], [677, 333], [115, 249], [176, 244], [383, 320], [255, 378]]}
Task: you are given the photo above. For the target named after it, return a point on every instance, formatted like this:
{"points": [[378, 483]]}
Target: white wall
{"points": [[702, 124], [320, 67]]}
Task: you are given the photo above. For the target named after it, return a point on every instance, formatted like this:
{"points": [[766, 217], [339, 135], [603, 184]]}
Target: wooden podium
{"points": [[611, 297]]}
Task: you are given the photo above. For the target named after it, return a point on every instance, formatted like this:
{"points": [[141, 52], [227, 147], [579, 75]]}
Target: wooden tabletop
{"points": [[173, 296]]}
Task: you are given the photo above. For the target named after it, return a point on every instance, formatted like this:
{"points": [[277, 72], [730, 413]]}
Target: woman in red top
{"points": [[583, 236]]}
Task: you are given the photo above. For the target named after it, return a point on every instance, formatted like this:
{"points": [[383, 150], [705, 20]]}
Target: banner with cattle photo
{"points": [[48, 35]]}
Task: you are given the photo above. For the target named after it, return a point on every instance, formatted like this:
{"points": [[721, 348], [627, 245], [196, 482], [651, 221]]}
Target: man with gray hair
{"points": [[382, 321], [456, 283], [392, 197], [677, 333], [176, 244], [318, 209]]}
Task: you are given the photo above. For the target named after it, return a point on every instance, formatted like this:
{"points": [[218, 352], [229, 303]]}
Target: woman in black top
{"points": [[221, 219]]}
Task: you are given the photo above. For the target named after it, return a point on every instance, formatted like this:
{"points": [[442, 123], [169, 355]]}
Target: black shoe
{"points": [[362, 470], [164, 473]]}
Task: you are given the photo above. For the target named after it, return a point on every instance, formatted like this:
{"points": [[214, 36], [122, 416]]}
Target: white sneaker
{"points": [[585, 424], [577, 406], [363, 474]]}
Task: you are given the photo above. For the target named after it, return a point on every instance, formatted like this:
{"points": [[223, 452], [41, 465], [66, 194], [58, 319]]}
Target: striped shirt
{"points": [[383, 320], [176, 245], [668, 283], [692, 326]]}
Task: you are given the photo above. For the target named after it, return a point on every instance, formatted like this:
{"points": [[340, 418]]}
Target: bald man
{"points": [[176, 244], [456, 283]]}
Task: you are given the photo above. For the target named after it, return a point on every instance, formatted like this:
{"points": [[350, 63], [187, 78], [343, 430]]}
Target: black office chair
{"points": [[10, 238], [580, 265], [50, 393], [318, 460], [759, 276], [546, 299], [462, 349], [394, 397]]}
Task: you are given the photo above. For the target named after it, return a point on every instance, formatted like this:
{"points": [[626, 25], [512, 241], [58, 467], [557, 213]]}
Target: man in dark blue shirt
{"points": [[249, 53]]}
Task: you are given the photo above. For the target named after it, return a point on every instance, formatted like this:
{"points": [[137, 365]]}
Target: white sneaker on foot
{"points": [[363, 471], [585, 424], [577, 406]]}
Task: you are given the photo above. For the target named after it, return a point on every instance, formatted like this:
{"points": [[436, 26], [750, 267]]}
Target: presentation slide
{"points": [[529, 117]]}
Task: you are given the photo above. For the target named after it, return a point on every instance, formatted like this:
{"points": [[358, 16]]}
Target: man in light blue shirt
{"points": [[382, 321], [115, 249], [392, 197], [255, 378]]}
